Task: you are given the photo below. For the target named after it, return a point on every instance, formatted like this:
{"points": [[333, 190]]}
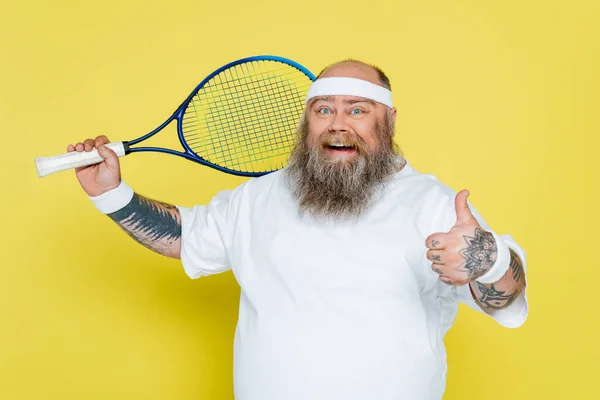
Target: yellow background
{"points": [[499, 97]]}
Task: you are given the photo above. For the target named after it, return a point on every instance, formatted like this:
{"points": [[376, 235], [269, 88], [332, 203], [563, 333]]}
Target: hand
{"points": [[98, 178], [464, 253]]}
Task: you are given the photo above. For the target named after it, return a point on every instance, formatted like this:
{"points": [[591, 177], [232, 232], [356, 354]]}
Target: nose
{"points": [[339, 123]]}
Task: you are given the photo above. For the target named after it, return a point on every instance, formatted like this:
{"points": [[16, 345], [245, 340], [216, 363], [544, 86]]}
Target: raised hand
{"points": [[98, 178], [464, 253]]}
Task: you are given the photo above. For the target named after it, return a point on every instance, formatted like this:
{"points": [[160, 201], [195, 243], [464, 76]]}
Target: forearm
{"points": [[502, 293], [151, 223]]}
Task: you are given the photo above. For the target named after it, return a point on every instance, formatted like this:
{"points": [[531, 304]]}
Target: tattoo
{"points": [[494, 299], [435, 257], [439, 271], [153, 224], [435, 243], [516, 266], [480, 254]]}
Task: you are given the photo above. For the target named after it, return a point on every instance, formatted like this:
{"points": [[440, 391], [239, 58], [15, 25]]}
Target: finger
{"points": [[79, 146], [446, 280], [435, 256], [463, 212], [437, 268], [102, 139], [88, 144], [70, 148], [110, 157], [435, 241], [455, 279]]}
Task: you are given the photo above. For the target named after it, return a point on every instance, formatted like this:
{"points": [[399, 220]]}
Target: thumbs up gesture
{"points": [[464, 253]]}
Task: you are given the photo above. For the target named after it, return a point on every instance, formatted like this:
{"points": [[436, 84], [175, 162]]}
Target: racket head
{"points": [[242, 118]]}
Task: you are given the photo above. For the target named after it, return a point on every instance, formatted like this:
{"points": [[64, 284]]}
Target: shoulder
{"points": [[260, 187], [265, 182], [253, 190], [430, 201], [422, 189]]}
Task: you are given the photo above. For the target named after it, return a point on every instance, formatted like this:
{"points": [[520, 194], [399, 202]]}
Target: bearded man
{"points": [[351, 263]]}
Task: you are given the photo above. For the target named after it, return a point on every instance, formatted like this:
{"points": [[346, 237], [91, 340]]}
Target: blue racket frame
{"points": [[178, 115]]}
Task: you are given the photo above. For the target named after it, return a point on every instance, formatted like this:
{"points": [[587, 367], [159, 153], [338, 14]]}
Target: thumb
{"points": [[110, 157], [463, 213]]}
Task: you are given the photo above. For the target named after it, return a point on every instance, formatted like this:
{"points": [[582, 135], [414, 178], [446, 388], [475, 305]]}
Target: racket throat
{"points": [[126, 147]]}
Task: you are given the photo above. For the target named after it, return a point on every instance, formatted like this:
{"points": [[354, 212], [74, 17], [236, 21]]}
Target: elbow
{"points": [[515, 315], [173, 250]]}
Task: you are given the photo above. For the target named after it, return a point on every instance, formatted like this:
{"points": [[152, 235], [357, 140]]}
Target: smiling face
{"points": [[345, 125], [345, 150]]}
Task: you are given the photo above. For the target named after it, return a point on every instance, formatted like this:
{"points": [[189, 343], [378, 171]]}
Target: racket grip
{"points": [[75, 159]]}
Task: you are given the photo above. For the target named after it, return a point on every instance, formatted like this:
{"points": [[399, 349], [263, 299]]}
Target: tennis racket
{"points": [[241, 119]]}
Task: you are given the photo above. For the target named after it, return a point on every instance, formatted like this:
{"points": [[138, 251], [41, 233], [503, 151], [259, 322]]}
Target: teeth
{"points": [[338, 145]]}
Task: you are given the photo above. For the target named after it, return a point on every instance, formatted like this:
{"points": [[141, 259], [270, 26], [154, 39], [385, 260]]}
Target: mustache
{"points": [[336, 139]]}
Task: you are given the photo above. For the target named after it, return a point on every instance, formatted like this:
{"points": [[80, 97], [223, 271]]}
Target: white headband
{"points": [[349, 87]]}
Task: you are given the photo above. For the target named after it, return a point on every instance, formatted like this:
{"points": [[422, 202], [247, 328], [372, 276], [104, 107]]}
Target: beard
{"points": [[338, 189]]}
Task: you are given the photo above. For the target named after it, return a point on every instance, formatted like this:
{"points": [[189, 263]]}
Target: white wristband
{"points": [[114, 199], [500, 266]]}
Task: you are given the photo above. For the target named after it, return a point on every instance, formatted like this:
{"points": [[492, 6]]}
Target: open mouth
{"points": [[341, 147]]}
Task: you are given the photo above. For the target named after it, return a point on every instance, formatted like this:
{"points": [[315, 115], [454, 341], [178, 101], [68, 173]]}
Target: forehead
{"points": [[341, 100]]}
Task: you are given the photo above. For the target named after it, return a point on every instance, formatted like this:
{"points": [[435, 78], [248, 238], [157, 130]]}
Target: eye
{"points": [[324, 111], [355, 111]]}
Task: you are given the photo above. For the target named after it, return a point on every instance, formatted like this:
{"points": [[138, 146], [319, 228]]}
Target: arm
{"points": [[501, 294], [488, 270], [155, 225], [151, 223], [470, 254]]}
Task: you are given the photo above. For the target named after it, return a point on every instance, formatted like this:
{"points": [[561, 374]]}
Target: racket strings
{"points": [[256, 90], [258, 116], [284, 116], [267, 101], [245, 118], [251, 121], [265, 90]]}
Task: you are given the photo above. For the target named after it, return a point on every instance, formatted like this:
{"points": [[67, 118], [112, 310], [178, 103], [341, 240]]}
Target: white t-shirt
{"points": [[334, 311]]}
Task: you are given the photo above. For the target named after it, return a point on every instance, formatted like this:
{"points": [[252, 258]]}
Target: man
{"points": [[351, 263]]}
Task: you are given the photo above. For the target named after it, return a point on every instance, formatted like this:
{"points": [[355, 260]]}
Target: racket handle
{"points": [[74, 159]]}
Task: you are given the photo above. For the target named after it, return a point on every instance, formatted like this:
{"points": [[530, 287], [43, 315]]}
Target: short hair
{"points": [[383, 78]]}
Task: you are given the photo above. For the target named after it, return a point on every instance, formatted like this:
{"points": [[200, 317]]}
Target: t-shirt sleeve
{"points": [[516, 313], [204, 236]]}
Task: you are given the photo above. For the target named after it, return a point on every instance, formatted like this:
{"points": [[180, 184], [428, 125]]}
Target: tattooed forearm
{"points": [[154, 224], [492, 298], [480, 253], [515, 266], [502, 293]]}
